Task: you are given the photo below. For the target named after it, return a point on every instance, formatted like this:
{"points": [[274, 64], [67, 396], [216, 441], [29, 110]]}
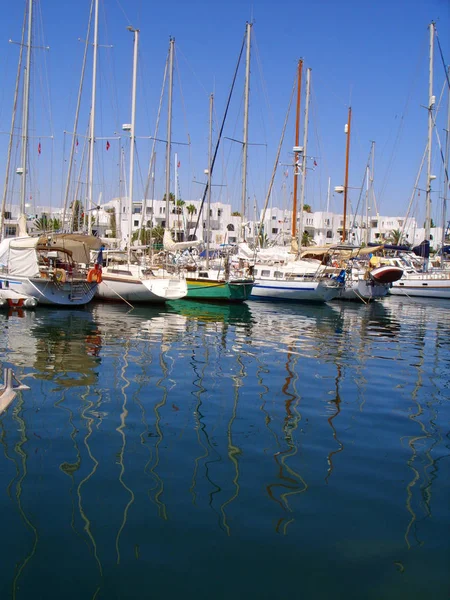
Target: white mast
{"points": [[92, 122], [431, 101], [175, 195], [208, 213], [446, 168], [245, 140], [25, 121], [75, 126], [169, 131], [11, 133], [132, 138], [305, 143]]}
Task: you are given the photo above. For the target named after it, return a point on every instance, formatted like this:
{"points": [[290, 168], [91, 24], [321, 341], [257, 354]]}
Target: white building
{"points": [[111, 221]]}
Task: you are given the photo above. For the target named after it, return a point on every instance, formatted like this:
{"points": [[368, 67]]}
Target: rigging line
{"points": [[442, 58], [269, 191], [124, 13], [75, 127], [13, 122], [46, 77], [400, 129], [315, 113], [211, 167], [158, 117], [182, 98]]}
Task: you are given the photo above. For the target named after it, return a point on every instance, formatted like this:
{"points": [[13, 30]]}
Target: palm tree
{"points": [[306, 239], [46, 223], [306, 208], [395, 237]]}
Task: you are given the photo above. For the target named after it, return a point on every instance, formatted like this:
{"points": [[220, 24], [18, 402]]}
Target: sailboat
{"points": [[50, 268], [426, 283], [206, 280], [129, 282], [289, 278]]}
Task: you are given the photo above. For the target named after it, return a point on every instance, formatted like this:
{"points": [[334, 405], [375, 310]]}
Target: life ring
{"points": [[335, 264], [59, 275], [94, 275]]}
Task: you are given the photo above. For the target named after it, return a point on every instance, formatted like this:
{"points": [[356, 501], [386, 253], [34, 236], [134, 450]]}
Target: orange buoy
{"points": [[94, 274]]}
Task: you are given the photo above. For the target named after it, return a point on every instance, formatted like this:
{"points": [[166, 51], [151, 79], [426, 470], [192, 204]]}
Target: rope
{"points": [[220, 134]]}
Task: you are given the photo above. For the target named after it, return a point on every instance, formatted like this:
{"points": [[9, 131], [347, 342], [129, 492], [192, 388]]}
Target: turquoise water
{"points": [[253, 451]]}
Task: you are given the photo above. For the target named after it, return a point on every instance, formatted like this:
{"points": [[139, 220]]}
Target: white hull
{"points": [[134, 289], [48, 292], [299, 291], [423, 285], [12, 299], [363, 290]]}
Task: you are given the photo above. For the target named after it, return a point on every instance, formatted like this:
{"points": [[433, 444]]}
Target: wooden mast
{"points": [[347, 154], [296, 154]]}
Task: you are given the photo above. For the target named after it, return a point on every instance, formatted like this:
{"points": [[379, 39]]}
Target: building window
{"points": [[374, 224], [11, 231], [135, 223], [274, 217], [230, 227], [400, 223], [137, 210], [148, 210], [162, 210], [274, 230], [7, 215], [219, 212], [329, 234]]}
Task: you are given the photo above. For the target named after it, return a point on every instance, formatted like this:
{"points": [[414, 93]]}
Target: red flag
{"points": [[39, 148], [315, 163], [77, 142], [178, 165], [108, 145]]}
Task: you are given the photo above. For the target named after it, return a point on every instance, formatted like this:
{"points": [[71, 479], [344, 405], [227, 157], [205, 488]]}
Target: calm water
{"points": [[255, 451]]}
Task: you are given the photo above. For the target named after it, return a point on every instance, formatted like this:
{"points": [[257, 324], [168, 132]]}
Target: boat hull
{"points": [[363, 290], [48, 292], [297, 291], [422, 286], [152, 290], [218, 291], [386, 274]]}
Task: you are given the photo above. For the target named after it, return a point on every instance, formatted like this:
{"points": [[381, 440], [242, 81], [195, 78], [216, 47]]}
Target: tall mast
{"points": [[296, 154], [13, 124], [446, 168], [305, 143], [347, 155], [431, 101], [169, 130], [75, 125], [245, 140], [92, 120], [132, 138], [25, 121], [371, 195], [208, 213]]}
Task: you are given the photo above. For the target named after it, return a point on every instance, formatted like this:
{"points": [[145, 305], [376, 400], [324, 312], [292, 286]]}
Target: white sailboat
{"points": [[434, 283], [290, 279], [131, 282], [46, 268]]}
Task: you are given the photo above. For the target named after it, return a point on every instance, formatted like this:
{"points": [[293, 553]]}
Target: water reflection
{"points": [[163, 431]]}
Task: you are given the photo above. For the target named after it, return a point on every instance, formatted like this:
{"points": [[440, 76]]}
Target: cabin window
{"points": [[278, 274], [203, 274], [265, 273]]}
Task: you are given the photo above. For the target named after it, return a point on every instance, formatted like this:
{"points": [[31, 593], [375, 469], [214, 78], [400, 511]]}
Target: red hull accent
{"points": [[386, 274]]}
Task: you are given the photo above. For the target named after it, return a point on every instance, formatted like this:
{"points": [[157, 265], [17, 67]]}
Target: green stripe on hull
{"points": [[218, 291]]}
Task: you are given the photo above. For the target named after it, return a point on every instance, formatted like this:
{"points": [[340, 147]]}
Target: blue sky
{"points": [[373, 55]]}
